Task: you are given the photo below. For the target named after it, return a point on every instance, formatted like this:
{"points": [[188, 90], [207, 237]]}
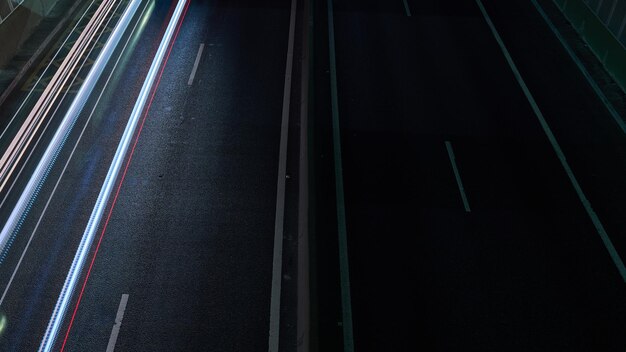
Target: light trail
{"points": [[28, 130], [147, 10], [53, 149], [20, 143], [43, 74], [53, 113], [154, 74]]}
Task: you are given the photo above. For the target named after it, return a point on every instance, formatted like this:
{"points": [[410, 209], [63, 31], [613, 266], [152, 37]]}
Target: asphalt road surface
{"points": [[190, 240], [427, 101], [465, 187]]}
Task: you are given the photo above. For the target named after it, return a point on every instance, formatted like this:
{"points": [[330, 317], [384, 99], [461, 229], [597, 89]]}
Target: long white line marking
{"points": [[118, 323], [557, 148], [406, 8], [457, 175], [277, 262], [195, 65], [56, 185]]}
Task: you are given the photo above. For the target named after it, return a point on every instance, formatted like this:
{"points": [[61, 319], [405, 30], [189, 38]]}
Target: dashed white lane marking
{"points": [[118, 323], [406, 8], [195, 65], [457, 175]]}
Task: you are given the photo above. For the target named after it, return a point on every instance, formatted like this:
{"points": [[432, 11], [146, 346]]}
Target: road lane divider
{"points": [[457, 175], [406, 8], [84, 247], [118, 323], [617, 260], [195, 65]]}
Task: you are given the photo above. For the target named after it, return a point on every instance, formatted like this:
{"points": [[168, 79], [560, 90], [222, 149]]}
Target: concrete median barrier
{"points": [[603, 27]]}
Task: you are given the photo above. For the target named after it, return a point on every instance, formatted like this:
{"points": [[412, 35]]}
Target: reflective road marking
{"points": [[118, 323], [406, 8], [195, 65], [457, 175]]}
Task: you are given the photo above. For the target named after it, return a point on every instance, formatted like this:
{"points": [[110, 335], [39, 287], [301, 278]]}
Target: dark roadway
{"points": [[525, 270], [200, 279], [190, 241]]}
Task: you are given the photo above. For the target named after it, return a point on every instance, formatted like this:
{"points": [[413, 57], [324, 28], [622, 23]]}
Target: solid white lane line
{"points": [[406, 8], [617, 260], [195, 65], [118, 323], [277, 262], [56, 185], [457, 175]]}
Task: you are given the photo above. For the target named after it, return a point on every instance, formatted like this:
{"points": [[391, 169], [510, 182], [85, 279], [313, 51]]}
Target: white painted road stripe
{"points": [[56, 185], [195, 65], [118, 323], [406, 8], [277, 262], [557, 148], [457, 175]]}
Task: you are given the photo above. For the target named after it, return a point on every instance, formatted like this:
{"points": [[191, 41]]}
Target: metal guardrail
{"points": [[602, 25], [613, 14]]}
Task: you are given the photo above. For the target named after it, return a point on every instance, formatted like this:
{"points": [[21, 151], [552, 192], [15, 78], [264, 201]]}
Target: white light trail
{"points": [[51, 153], [94, 220]]}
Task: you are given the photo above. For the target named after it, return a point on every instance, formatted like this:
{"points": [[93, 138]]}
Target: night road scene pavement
{"points": [[312, 175]]}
